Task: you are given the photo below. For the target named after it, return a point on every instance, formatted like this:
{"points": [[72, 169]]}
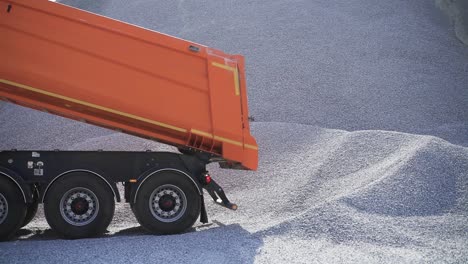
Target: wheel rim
{"points": [[3, 208], [168, 203], [79, 206]]}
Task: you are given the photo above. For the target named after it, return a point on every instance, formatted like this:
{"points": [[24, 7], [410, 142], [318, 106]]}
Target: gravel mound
{"points": [[361, 113], [429, 180], [370, 196], [378, 172], [320, 195]]}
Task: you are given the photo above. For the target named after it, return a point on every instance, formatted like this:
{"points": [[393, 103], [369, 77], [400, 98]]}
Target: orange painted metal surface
{"points": [[94, 69]]}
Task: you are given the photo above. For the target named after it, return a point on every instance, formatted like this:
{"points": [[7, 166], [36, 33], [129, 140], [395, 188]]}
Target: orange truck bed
{"points": [[105, 72]]}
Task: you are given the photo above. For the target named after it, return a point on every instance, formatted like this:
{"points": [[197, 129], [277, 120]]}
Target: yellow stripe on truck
{"points": [[198, 132], [201, 133], [222, 139], [230, 141], [250, 146], [36, 90], [236, 75]]}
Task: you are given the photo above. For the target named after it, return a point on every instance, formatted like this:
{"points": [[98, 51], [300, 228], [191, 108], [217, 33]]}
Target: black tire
{"points": [[179, 187], [79, 195], [31, 208], [13, 208]]}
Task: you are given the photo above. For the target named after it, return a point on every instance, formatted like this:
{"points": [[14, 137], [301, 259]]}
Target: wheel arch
{"points": [[112, 185], [143, 177], [19, 182]]}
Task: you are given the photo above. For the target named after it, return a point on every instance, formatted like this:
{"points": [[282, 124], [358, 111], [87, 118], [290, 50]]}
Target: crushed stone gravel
{"points": [[361, 112]]}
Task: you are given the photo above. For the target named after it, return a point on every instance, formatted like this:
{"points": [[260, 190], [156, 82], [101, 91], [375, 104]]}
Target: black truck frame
{"points": [[79, 190]]}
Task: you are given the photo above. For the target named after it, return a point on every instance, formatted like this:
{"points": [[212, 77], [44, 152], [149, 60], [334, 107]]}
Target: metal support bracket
{"points": [[217, 193]]}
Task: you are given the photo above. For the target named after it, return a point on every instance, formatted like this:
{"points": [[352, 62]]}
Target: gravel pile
{"points": [[362, 121]]}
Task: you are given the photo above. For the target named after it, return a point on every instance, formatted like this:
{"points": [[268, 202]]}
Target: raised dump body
{"points": [[97, 70]]}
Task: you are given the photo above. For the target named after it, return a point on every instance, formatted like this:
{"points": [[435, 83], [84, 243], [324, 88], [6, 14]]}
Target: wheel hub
{"points": [[168, 203], [3, 208], [79, 206]]}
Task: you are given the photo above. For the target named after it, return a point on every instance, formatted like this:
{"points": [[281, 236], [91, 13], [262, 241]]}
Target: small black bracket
{"points": [[9, 8], [194, 48], [215, 191]]}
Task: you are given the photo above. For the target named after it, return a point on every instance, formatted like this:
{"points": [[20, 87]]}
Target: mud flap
{"points": [[203, 214]]}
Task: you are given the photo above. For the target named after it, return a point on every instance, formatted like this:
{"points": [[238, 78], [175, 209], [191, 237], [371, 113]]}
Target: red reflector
{"points": [[207, 179]]}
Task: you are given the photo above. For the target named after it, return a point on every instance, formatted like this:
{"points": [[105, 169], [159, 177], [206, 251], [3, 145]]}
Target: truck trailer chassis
{"points": [[79, 189], [93, 69]]}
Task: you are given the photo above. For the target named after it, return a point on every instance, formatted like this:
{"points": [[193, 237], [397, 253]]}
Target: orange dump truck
{"points": [[105, 72]]}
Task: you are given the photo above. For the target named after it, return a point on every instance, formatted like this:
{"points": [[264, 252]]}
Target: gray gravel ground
{"points": [[362, 122]]}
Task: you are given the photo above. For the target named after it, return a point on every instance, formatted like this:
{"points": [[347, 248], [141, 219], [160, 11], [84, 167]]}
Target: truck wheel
{"points": [[167, 203], [31, 208], [79, 205], [12, 209]]}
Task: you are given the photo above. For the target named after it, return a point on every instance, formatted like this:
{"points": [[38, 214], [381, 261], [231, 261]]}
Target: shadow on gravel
{"points": [[25, 234], [36, 234], [217, 244]]}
